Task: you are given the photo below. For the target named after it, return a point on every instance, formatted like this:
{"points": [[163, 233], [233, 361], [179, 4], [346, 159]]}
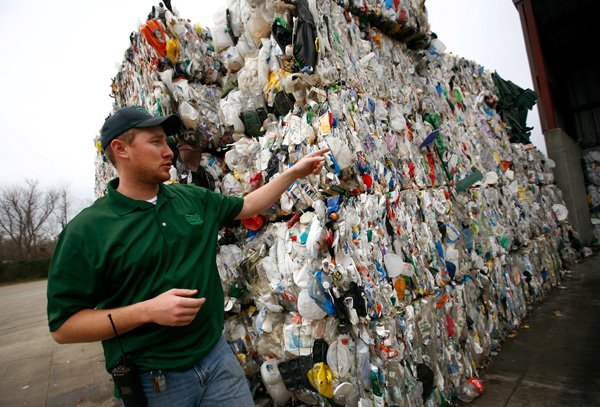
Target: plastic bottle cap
{"points": [[254, 223]]}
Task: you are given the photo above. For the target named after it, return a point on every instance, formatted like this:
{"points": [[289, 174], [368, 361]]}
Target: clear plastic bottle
{"points": [[469, 390], [376, 388]]}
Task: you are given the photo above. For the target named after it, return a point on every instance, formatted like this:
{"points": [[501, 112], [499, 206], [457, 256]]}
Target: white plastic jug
{"points": [[274, 383]]}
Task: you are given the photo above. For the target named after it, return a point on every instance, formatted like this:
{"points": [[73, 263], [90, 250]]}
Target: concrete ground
{"points": [[553, 360], [34, 370]]}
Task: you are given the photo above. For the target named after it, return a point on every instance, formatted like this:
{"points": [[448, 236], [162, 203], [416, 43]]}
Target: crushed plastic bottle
{"points": [[378, 400], [469, 390], [319, 291], [274, 383]]}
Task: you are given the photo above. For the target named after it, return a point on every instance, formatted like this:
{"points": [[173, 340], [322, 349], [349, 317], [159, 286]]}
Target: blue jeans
{"points": [[216, 380]]}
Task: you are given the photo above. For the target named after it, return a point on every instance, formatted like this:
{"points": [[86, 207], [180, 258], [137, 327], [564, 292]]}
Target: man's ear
{"points": [[119, 148]]}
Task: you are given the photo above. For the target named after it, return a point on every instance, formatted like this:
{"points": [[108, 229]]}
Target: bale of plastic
{"points": [[392, 275]]}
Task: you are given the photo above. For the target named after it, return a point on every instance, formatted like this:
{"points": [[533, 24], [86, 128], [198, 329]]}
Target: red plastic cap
{"points": [[255, 222]]}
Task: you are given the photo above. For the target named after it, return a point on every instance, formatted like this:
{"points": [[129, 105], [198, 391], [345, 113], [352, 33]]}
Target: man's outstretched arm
{"points": [[262, 198]]}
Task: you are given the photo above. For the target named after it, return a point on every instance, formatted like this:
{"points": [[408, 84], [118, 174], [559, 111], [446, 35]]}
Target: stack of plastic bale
{"points": [[103, 169], [392, 275], [592, 172], [170, 68]]}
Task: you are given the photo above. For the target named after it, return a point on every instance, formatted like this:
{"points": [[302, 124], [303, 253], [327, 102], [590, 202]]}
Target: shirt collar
{"points": [[123, 205]]}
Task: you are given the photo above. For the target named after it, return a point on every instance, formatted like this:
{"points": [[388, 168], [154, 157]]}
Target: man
{"points": [[145, 254]]}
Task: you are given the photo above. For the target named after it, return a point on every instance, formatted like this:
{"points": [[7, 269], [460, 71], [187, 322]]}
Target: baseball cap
{"points": [[135, 117]]}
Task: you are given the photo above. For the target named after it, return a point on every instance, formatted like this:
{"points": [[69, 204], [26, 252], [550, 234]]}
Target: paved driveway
{"points": [[34, 370]]}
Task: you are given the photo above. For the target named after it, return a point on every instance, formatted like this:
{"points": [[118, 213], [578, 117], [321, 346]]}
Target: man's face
{"points": [[150, 158]]}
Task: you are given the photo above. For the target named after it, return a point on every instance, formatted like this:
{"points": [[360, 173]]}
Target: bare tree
{"points": [[24, 212], [64, 205]]}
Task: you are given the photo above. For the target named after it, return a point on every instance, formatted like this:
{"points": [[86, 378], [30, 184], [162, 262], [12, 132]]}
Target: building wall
{"points": [[566, 153]]}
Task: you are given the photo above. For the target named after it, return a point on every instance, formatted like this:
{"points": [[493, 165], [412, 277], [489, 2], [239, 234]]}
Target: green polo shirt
{"points": [[121, 251]]}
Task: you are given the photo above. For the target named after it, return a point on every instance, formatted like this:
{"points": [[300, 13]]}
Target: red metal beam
{"points": [[536, 64]]}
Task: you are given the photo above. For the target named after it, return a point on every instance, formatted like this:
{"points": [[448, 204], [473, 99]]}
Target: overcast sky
{"points": [[59, 58]]}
